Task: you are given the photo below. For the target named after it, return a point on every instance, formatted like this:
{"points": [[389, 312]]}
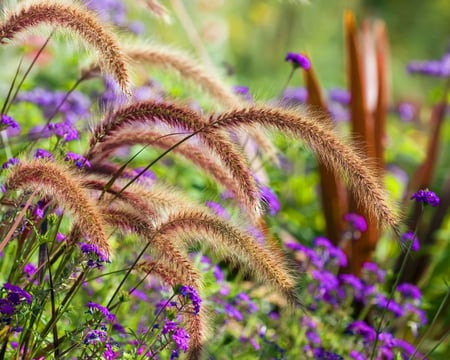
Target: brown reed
{"points": [[183, 118], [63, 185], [340, 157], [76, 19]]}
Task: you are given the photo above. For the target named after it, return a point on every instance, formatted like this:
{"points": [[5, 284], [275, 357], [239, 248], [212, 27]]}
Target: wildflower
{"points": [[438, 68], [94, 336], [104, 311], [321, 354], [382, 302], [355, 355], [354, 283], [29, 269], [218, 209], [298, 60], [362, 329], [65, 130], [294, 96], [181, 338], [192, 294], [8, 122], [407, 111], [16, 290], [357, 222], [371, 270], [60, 237], [243, 91], [43, 154], [409, 236], [427, 197], [79, 160], [409, 291], [270, 198], [96, 257], [340, 96], [11, 162]]}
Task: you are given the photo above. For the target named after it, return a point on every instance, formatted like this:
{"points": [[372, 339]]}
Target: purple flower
{"points": [[8, 122], [109, 354], [11, 162], [298, 60], [65, 130], [43, 154], [60, 237], [79, 160], [321, 354], [14, 289], [104, 311], [406, 348], [94, 336], [354, 283], [355, 355], [371, 269], [356, 221], [243, 91], [427, 197], [382, 302], [409, 291], [362, 329], [218, 209], [29, 269], [6, 308], [294, 96], [190, 293], [340, 96], [407, 237], [270, 198], [407, 111], [181, 339], [438, 68], [231, 311], [96, 256]]}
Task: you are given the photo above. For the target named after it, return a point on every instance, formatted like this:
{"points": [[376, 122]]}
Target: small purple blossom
{"points": [[407, 111], [298, 60], [64, 130], [60, 237], [14, 289], [94, 336], [294, 96], [29, 269], [437, 68], [11, 162], [382, 302], [371, 270], [96, 256], [104, 311], [43, 154], [218, 209], [353, 283], [190, 293], [356, 221], [8, 122], [78, 159], [321, 354], [362, 329], [409, 236], [427, 197], [270, 198], [340, 96], [243, 91]]}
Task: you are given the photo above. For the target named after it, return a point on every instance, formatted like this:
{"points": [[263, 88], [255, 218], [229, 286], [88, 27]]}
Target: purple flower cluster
{"points": [[426, 197], [11, 162], [15, 298], [43, 154], [190, 293], [356, 221], [298, 60], [78, 160], [8, 122], [270, 198], [179, 336], [409, 237], [96, 257], [92, 307], [437, 68]]}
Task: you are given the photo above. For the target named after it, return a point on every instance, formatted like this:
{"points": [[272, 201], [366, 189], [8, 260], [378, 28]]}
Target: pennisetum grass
{"points": [[81, 231]]}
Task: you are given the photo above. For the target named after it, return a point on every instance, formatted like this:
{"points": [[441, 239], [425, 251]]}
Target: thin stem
{"points": [[283, 89], [394, 287], [441, 340]]}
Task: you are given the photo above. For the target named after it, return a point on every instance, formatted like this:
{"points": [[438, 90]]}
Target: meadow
{"points": [[220, 180]]}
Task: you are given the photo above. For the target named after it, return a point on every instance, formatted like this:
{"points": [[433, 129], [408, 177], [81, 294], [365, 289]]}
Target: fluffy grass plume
{"points": [[63, 185], [75, 18], [180, 118], [341, 158]]}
